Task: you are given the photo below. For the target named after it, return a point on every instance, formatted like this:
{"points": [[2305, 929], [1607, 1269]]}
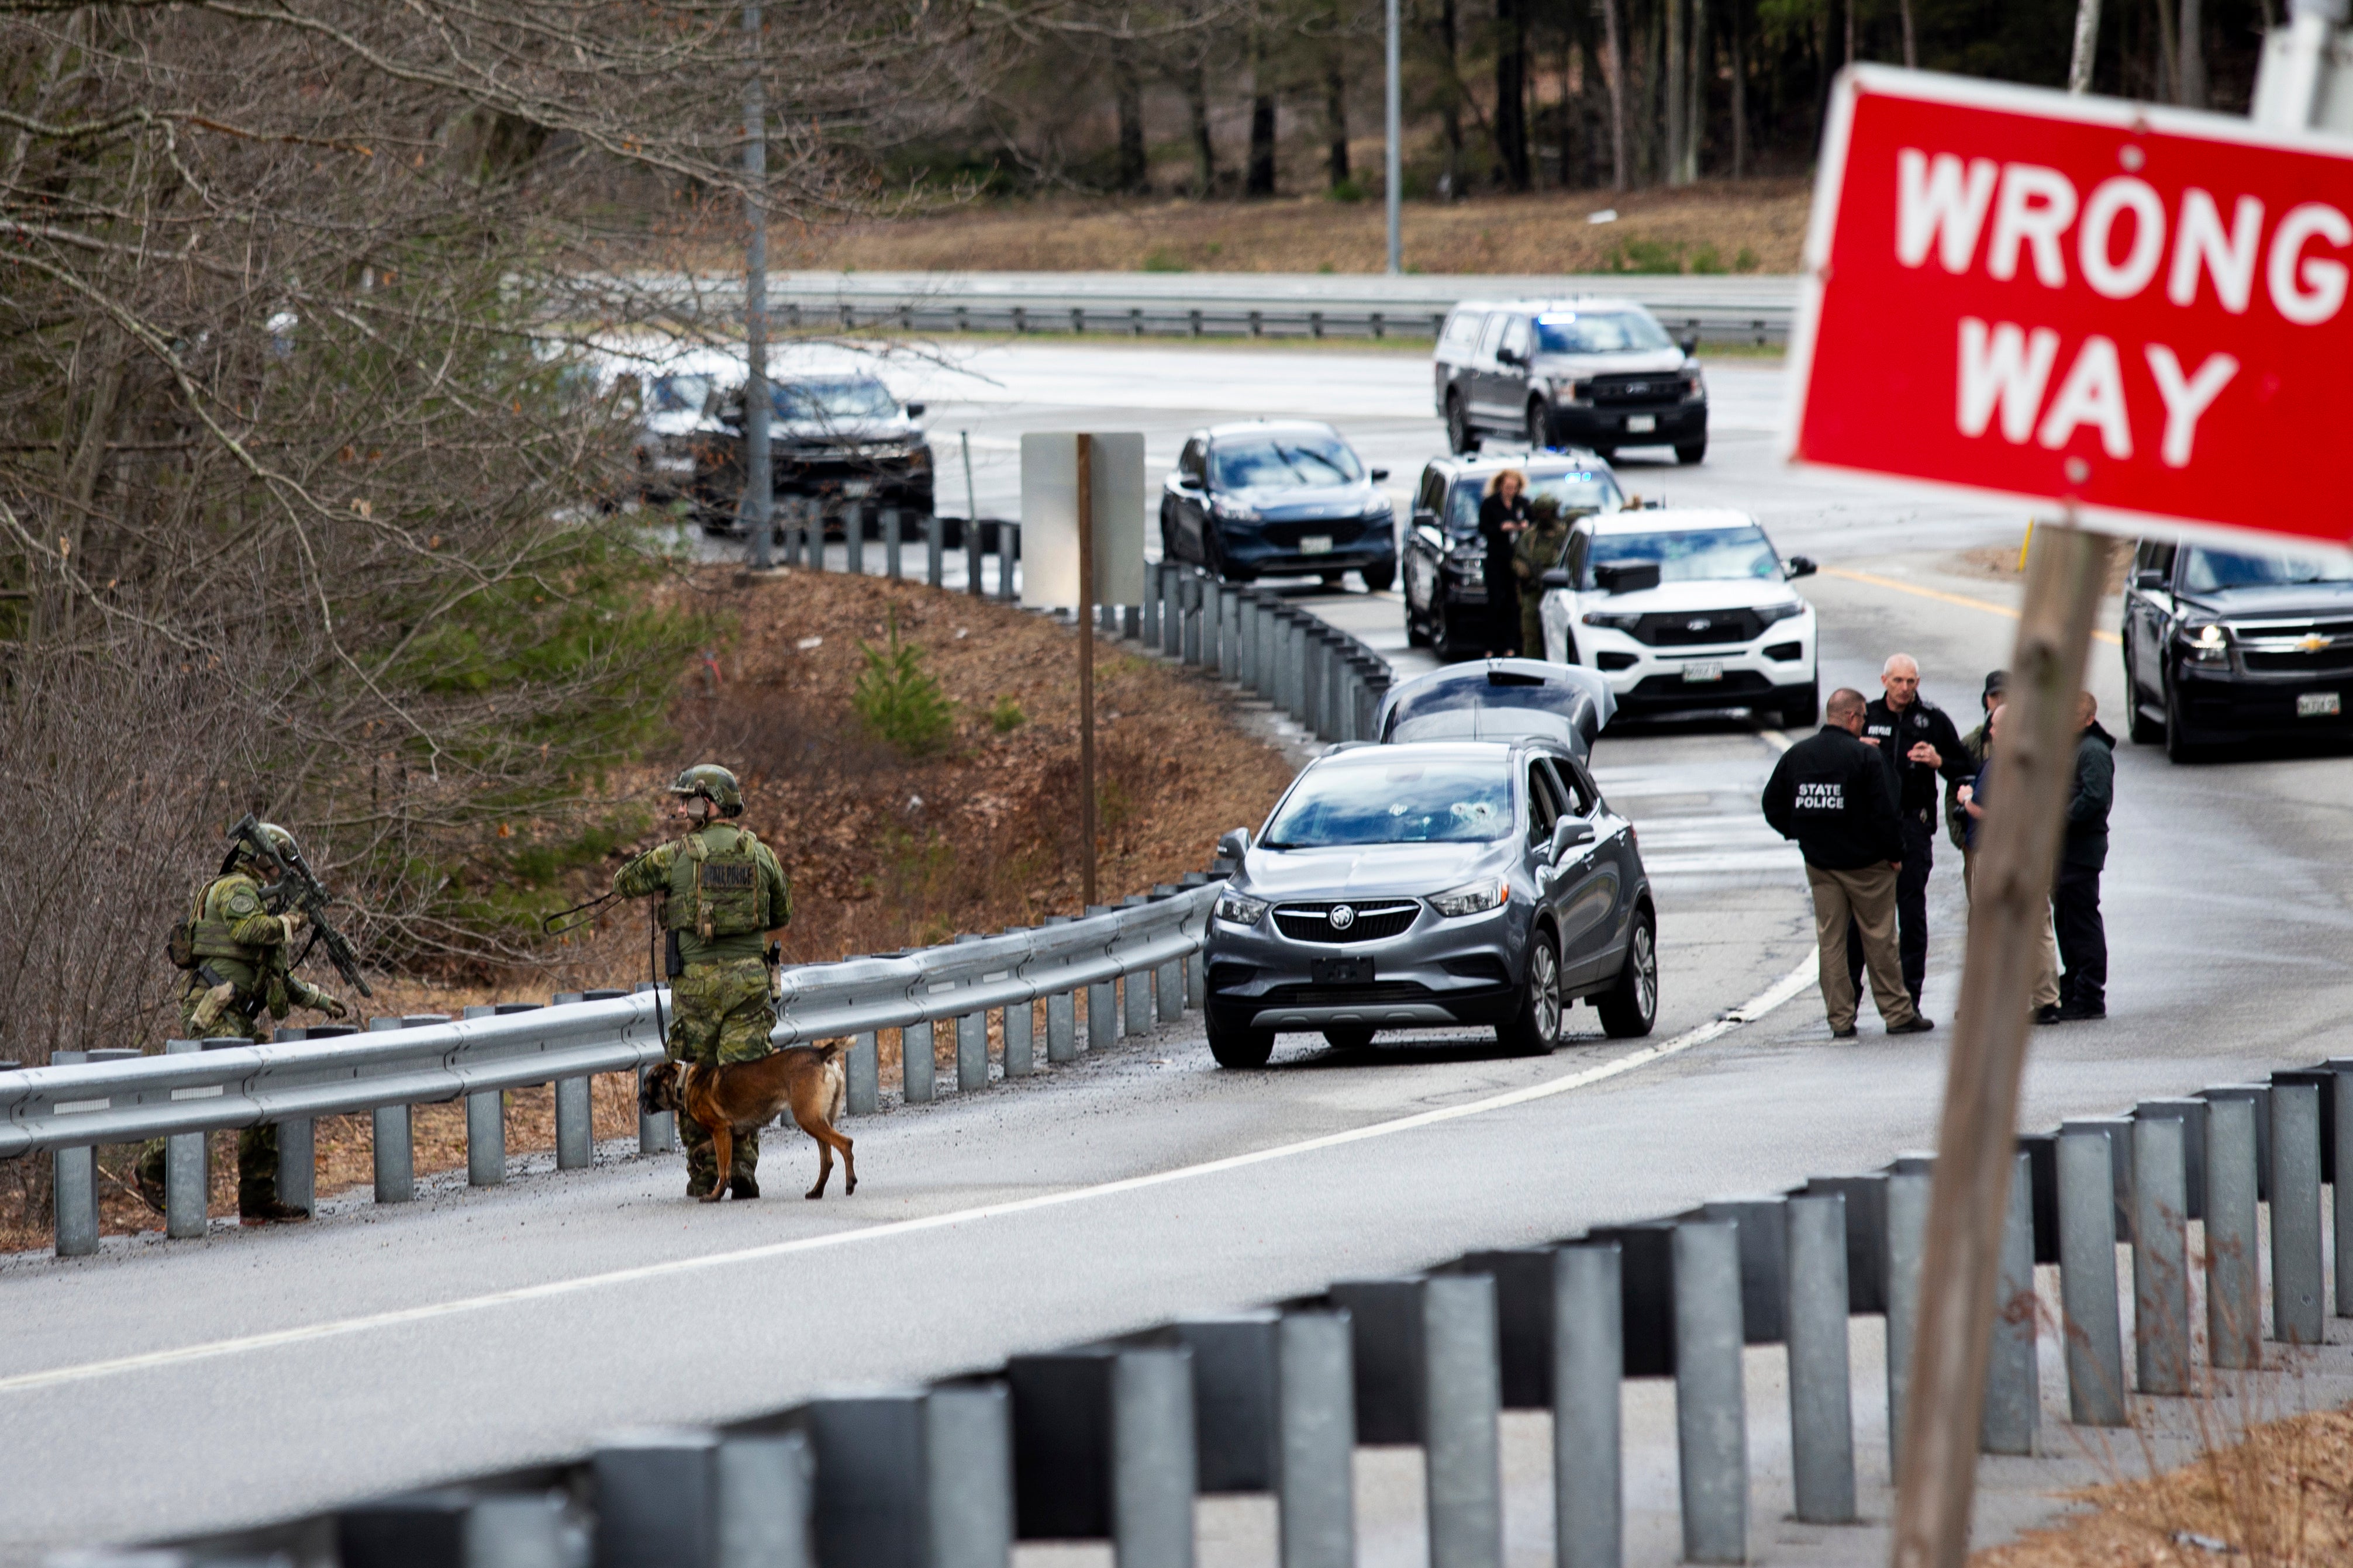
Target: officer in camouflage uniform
{"points": [[1536, 552], [724, 897], [239, 981]]}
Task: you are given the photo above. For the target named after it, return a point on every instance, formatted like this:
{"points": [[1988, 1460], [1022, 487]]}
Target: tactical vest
{"points": [[715, 888], [210, 938]]}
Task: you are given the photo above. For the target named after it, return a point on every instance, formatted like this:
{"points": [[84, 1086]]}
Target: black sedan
{"points": [[2222, 646], [1266, 498]]}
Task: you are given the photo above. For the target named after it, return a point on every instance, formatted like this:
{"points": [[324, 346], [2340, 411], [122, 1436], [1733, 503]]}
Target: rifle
{"points": [[301, 887]]}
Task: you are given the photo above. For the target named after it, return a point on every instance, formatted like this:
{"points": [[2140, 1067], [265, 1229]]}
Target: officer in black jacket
{"points": [[1918, 744], [1829, 792]]}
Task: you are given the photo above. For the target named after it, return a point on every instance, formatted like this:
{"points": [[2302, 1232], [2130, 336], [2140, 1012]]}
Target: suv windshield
{"points": [[822, 402], [1596, 332], [1283, 462], [2210, 570], [1690, 556], [679, 394], [1394, 803], [1572, 492]]}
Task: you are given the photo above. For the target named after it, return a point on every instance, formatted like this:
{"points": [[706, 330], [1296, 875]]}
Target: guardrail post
{"points": [[865, 1089], [74, 1186], [1153, 1458], [2298, 1305], [1149, 631], [2013, 1395], [1311, 682], [656, 1500], [892, 547], [1103, 1005], [1294, 668], [867, 1497], [975, 559], [2340, 1109], [575, 1125], [853, 538], [1021, 1025], [1589, 1363], [1229, 630], [2259, 1095], [2087, 1274], [1317, 1421], [1907, 1224], [1821, 1410], [762, 1485], [298, 1164], [934, 534], [1062, 1026], [486, 1138], [2234, 1293], [1189, 606], [441, 1528], [1172, 609], [1168, 990], [1136, 986], [1461, 1400], [1009, 552], [916, 1062], [2160, 1257], [1247, 618], [186, 1175], [972, 1052], [1711, 1423], [969, 1475], [657, 1134]]}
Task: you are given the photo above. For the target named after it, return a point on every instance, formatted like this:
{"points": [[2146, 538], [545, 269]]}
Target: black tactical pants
{"points": [[2083, 937], [1919, 837]]}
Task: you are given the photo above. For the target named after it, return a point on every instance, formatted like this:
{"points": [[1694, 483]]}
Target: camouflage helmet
{"points": [[274, 835], [714, 784]]}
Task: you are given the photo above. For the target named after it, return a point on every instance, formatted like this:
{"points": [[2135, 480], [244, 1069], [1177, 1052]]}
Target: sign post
{"points": [[2122, 309], [1087, 663]]}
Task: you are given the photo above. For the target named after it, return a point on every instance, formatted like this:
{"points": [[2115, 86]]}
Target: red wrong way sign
{"points": [[2139, 312]]}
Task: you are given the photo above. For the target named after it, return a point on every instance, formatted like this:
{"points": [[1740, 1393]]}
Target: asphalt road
{"points": [[156, 1389]]}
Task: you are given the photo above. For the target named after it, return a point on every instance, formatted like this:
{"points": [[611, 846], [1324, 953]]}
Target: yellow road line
{"points": [[1876, 580]]}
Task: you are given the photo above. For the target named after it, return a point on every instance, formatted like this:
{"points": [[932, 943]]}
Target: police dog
{"points": [[742, 1095]]}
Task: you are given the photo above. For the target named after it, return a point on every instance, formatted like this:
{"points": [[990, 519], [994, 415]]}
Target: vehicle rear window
{"points": [[2212, 570], [679, 394], [1394, 803], [1690, 554], [1598, 332], [1462, 336], [1283, 462]]}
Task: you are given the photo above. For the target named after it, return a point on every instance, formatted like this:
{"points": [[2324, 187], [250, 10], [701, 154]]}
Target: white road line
{"points": [[1749, 1012]]}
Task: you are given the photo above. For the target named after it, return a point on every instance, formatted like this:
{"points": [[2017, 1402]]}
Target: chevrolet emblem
{"points": [[2312, 642]]}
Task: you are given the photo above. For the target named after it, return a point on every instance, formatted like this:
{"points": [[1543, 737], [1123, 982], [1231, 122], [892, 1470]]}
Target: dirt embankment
{"points": [[884, 850], [1752, 225]]}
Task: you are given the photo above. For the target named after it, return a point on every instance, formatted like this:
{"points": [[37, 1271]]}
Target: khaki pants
{"points": [[1867, 897], [2046, 970]]}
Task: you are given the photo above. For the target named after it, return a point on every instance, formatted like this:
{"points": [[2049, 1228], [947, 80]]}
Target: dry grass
{"points": [[2280, 1496], [1755, 225]]}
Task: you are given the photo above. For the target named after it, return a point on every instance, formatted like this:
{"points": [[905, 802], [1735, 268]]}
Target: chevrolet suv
{"points": [[1586, 372], [1431, 884], [2222, 646]]}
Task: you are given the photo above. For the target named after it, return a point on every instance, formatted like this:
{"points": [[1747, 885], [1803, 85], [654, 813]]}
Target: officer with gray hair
{"points": [[1919, 745]]}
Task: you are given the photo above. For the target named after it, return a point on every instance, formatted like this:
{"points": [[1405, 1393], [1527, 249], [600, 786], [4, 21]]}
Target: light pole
{"points": [[1394, 161], [759, 478]]}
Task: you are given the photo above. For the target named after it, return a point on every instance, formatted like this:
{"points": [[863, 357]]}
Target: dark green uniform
{"points": [[1536, 552], [721, 890], [242, 983]]}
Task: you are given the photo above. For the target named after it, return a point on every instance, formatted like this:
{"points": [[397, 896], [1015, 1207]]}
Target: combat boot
{"points": [[742, 1187], [270, 1212]]}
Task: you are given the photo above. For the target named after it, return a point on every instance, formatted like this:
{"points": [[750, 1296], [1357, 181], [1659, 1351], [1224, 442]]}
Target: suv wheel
{"points": [[1630, 1005], [2181, 743], [1349, 1038], [1802, 708], [1239, 1048], [2144, 730], [1460, 437], [1692, 453], [1536, 1030], [1378, 579], [1539, 425]]}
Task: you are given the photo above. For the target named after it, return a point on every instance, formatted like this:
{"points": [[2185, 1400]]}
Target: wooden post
{"points": [[2033, 773], [1087, 661]]}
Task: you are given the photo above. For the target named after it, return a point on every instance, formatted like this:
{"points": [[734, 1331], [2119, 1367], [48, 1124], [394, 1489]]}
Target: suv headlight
{"points": [[1616, 620], [1241, 909], [1473, 899], [1233, 512], [1694, 388], [1768, 614], [2206, 643], [1566, 391]]}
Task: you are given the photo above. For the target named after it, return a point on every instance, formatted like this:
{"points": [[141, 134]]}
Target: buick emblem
{"points": [[1701, 625], [1342, 917]]}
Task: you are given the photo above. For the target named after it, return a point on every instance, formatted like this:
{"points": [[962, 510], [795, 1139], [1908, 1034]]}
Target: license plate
{"points": [[1315, 544], [2318, 705], [1340, 970], [857, 487], [1639, 423], [1709, 670]]}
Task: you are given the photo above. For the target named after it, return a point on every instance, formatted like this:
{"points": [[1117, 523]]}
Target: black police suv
{"points": [[1445, 560], [1278, 498], [2224, 644]]}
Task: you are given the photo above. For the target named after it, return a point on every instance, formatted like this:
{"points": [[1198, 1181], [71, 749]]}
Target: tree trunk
{"points": [[2193, 79], [1911, 49], [2168, 56], [1613, 45], [1511, 92], [1128, 90], [1335, 114], [1671, 91], [2087, 45], [1258, 174], [1197, 105], [1452, 115], [1696, 116], [1849, 58], [1739, 94]]}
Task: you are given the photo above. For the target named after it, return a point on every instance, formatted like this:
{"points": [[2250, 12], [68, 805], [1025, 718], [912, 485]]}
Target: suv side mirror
{"points": [[1557, 577], [1422, 518], [1508, 356], [2149, 577], [1567, 834], [1802, 566], [1234, 845], [1379, 474], [914, 411], [1688, 343]]}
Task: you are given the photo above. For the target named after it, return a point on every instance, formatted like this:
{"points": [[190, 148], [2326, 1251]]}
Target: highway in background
{"points": [[158, 1388]]}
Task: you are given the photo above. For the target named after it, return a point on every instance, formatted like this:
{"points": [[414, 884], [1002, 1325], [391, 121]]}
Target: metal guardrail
{"points": [[1329, 682], [1147, 947], [1114, 1440], [1720, 309], [800, 525]]}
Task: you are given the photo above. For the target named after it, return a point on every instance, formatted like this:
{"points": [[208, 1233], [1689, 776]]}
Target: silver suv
{"points": [[1584, 372], [1433, 884]]}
